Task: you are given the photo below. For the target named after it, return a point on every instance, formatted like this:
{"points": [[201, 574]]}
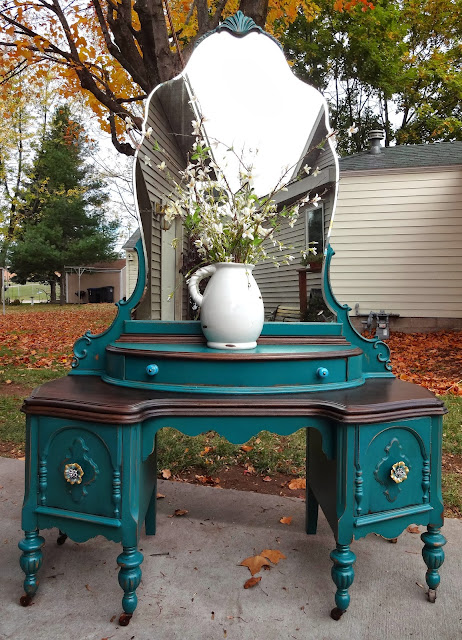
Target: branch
{"points": [[122, 147], [130, 60]]}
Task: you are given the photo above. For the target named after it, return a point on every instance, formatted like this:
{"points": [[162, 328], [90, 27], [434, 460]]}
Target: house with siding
{"points": [[397, 234]]}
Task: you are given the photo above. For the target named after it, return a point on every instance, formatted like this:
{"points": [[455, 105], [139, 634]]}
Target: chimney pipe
{"points": [[374, 137]]}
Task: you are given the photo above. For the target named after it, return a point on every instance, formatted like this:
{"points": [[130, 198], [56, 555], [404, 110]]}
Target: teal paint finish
{"points": [[376, 353], [238, 25], [193, 328], [343, 575], [380, 448], [89, 350], [96, 450], [31, 561], [255, 376], [129, 576], [433, 555]]}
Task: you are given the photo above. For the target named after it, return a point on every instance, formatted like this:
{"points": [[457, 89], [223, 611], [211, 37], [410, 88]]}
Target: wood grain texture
{"points": [[88, 398]]}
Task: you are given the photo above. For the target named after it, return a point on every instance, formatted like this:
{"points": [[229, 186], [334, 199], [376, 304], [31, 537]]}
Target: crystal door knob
{"points": [[322, 372], [152, 369]]}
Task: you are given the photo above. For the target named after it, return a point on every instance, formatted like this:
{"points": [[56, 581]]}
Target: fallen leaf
{"points": [[180, 512], [250, 469], [413, 529], [166, 474], [251, 582], [246, 448], [87, 586], [8, 381], [266, 479], [113, 618], [255, 563], [286, 520], [297, 483], [274, 555], [160, 495]]}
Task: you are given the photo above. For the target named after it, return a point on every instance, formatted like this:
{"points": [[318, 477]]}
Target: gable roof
{"points": [[437, 154], [133, 239]]}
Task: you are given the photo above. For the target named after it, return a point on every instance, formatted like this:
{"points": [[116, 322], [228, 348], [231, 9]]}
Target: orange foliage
{"points": [[433, 360], [44, 339]]}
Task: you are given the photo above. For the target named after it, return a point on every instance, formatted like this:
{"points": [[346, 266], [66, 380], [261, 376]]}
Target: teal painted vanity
{"points": [[373, 442]]}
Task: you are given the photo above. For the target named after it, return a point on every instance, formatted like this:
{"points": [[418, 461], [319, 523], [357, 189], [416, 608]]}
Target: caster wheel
{"points": [[25, 601], [431, 595], [336, 613], [124, 619], [61, 538]]}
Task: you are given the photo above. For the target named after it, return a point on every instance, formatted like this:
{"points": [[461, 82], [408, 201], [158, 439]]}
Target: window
{"points": [[315, 227]]}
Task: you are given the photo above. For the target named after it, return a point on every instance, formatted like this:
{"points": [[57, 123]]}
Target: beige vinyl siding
{"points": [[159, 188], [398, 242]]}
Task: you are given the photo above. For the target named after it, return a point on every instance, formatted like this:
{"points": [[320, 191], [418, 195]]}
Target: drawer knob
{"points": [[399, 472], [73, 473], [152, 369], [322, 372]]}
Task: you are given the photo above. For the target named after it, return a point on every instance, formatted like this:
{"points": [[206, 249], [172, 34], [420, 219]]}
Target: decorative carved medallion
{"points": [[394, 458], [79, 470]]}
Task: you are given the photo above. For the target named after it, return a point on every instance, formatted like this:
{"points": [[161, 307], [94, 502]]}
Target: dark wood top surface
{"points": [[89, 398]]}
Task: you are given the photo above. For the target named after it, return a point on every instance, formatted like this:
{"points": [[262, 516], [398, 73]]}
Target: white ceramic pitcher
{"points": [[232, 312]]}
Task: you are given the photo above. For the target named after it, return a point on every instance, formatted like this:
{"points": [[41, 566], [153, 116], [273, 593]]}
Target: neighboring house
{"points": [[100, 282], [397, 234], [131, 261]]}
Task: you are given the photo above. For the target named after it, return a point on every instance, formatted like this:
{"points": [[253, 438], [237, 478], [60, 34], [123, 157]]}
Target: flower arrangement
{"points": [[225, 224]]}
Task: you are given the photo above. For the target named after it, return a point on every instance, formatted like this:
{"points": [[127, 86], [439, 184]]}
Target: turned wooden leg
{"points": [[343, 576], [433, 556], [30, 561], [129, 578], [312, 509]]}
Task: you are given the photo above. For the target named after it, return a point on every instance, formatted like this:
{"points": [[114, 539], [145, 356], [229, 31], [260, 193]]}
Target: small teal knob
{"points": [[152, 369], [322, 372]]}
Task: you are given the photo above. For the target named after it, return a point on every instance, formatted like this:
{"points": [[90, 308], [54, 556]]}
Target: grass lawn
{"points": [[50, 333]]}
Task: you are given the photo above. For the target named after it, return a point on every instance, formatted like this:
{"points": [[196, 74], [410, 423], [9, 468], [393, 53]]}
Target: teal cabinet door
{"points": [[395, 465], [80, 470]]}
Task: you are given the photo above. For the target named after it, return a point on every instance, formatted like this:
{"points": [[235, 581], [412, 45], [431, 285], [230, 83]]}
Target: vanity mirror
{"points": [[254, 112]]}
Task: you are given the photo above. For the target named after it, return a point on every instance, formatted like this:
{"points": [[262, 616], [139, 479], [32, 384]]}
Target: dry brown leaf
{"points": [[255, 563], [87, 586], [251, 582], [274, 555], [286, 520], [8, 381], [160, 496], [413, 529], [250, 469], [266, 479], [297, 483], [246, 448], [180, 512], [166, 474]]}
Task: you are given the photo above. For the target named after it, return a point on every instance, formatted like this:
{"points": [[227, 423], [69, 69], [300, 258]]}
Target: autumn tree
{"points": [[117, 52], [62, 219], [396, 67]]}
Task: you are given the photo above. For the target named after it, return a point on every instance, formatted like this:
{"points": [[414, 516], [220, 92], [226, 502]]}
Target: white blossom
{"points": [[351, 130]]}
